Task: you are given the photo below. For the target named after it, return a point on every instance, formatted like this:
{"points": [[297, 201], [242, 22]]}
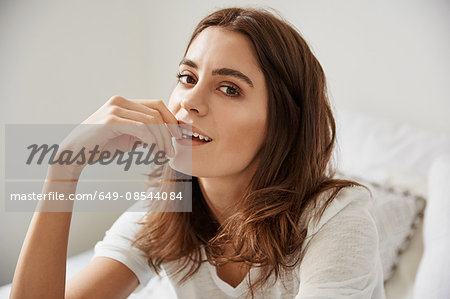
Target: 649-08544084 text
{"points": [[97, 195]]}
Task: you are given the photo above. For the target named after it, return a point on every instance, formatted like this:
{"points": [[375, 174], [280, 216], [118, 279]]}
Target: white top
{"points": [[342, 259]]}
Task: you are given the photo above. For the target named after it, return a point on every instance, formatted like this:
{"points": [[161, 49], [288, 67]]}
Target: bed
{"points": [[408, 169]]}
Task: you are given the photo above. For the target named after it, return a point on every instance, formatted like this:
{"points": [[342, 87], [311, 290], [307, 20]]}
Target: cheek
{"points": [[244, 137]]}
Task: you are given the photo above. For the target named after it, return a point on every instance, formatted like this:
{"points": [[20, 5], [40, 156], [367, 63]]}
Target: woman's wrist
{"points": [[63, 173]]}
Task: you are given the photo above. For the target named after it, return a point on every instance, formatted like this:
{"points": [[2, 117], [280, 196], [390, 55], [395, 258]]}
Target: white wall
{"points": [[61, 60]]}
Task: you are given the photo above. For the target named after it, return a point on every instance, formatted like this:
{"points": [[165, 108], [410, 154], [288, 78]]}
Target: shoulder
{"points": [[346, 233], [341, 252], [350, 202]]}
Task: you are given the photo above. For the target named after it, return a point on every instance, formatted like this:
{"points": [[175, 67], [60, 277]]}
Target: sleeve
{"points": [[342, 257], [116, 244]]}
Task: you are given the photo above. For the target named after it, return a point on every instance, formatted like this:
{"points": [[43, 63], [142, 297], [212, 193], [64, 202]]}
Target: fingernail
{"points": [[175, 131], [171, 152]]}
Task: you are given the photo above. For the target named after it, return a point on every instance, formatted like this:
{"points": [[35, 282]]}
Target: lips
{"points": [[192, 133], [189, 134]]}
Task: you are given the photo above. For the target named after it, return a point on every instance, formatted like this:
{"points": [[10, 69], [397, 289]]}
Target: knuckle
{"points": [[149, 119], [114, 109], [115, 100], [110, 119], [159, 103], [151, 113], [156, 112]]}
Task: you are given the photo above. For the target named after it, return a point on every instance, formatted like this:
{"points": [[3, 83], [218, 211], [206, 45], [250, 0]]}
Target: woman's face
{"points": [[222, 93]]}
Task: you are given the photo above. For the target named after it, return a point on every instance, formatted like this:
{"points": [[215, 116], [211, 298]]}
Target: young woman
{"points": [[268, 220]]}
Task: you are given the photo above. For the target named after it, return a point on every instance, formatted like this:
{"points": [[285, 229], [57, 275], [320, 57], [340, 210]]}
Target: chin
{"points": [[186, 167], [191, 162], [181, 164]]}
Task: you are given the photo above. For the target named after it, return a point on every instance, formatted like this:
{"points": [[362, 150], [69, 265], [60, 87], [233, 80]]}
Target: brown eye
{"points": [[230, 91], [189, 79], [186, 79]]}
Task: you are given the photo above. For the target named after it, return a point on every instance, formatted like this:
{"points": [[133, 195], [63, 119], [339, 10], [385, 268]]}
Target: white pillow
{"points": [[386, 152], [397, 157], [433, 275]]}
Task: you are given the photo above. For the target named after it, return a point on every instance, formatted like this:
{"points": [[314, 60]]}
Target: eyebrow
{"points": [[221, 71]]}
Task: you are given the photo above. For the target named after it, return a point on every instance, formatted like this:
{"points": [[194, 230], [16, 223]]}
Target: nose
{"points": [[194, 101]]}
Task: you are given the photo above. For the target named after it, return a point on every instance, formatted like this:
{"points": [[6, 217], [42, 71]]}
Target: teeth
{"points": [[190, 133]]}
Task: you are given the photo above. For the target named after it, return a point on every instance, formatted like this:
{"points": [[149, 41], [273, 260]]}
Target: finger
{"points": [[152, 106], [166, 114], [161, 130], [167, 141], [155, 126], [157, 134], [133, 105], [132, 127], [159, 105]]}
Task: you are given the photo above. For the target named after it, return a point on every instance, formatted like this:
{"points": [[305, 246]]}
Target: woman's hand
{"points": [[40, 270], [119, 123]]}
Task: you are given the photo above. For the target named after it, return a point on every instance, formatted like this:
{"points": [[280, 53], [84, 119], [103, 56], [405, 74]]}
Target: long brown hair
{"points": [[269, 225]]}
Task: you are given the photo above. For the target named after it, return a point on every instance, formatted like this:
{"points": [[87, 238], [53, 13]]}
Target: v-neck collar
{"points": [[237, 291]]}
